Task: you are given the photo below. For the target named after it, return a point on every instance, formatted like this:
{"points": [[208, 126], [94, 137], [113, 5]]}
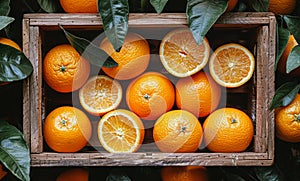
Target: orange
{"points": [[198, 94], [231, 65], [74, 174], [133, 58], [282, 6], [186, 173], [181, 55], [79, 6], [9, 42], [284, 57], [100, 95], [64, 70], [121, 131], [67, 129], [150, 95], [228, 130], [287, 121], [177, 131], [231, 5], [2, 172]]}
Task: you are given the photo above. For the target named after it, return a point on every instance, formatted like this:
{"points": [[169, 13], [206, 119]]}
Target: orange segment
{"points": [[121, 131], [180, 54], [100, 95], [231, 65]]}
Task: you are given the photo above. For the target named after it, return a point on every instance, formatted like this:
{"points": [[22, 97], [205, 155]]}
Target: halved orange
{"points": [[181, 55], [231, 65], [121, 131], [100, 95]]}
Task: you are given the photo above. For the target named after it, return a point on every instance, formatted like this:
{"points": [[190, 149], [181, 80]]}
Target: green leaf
{"points": [[118, 175], [14, 153], [260, 5], [282, 40], [4, 21], [202, 14], [293, 60], [293, 24], [14, 65], [285, 94], [158, 5], [50, 6], [114, 14], [89, 51], [4, 7], [268, 173]]}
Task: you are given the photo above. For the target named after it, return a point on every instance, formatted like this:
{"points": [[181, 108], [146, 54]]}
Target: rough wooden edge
{"points": [[149, 159], [262, 87], [271, 67], [26, 83], [35, 91]]}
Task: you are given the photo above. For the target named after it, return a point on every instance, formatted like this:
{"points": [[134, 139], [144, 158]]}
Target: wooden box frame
{"points": [[263, 153]]}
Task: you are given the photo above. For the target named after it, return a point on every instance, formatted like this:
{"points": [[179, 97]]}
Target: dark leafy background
{"points": [[287, 157]]}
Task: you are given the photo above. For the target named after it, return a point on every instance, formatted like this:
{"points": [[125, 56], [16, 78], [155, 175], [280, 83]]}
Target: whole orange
{"points": [[64, 70], [228, 130], [2, 172], [282, 6], [177, 131], [287, 121], [231, 5], [74, 174], [133, 58], [67, 129], [9, 42], [198, 94], [79, 6], [150, 95], [284, 57], [186, 173]]}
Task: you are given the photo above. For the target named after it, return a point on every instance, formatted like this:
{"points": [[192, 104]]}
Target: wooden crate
{"points": [[255, 30]]}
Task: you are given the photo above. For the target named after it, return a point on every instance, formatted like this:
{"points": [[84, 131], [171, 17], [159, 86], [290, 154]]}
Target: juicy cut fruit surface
{"points": [[287, 121], [133, 58], [282, 6], [228, 130], [231, 65], [74, 174], [64, 70], [150, 95], [121, 131], [181, 55], [79, 6], [67, 129], [186, 173], [100, 95], [177, 131]]}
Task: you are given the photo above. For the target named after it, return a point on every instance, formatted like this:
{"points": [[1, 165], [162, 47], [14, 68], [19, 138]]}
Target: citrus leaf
{"points": [[260, 5], [14, 65], [89, 51], [114, 14], [117, 177], [293, 24], [14, 153], [4, 7], [50, 6], [4, 21], [282, 40], [202, 14], [267, 173], [285, 94], [158, 5], [293, 60]]}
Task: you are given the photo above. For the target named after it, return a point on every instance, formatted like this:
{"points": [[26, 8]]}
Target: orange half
{"points": [[100, 95], [181, 55], [231, 65], [121, 131]]}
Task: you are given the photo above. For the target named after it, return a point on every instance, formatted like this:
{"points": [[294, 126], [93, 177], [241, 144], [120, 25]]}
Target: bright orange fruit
{"points": [[184, 173], [231, 5], [282, 6], [74, 174], [64, 70], [67, 129], [177, 131], [9, 42], [181, 55], [228, 130], [150, 95], [121, 131], [79, 6]]}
